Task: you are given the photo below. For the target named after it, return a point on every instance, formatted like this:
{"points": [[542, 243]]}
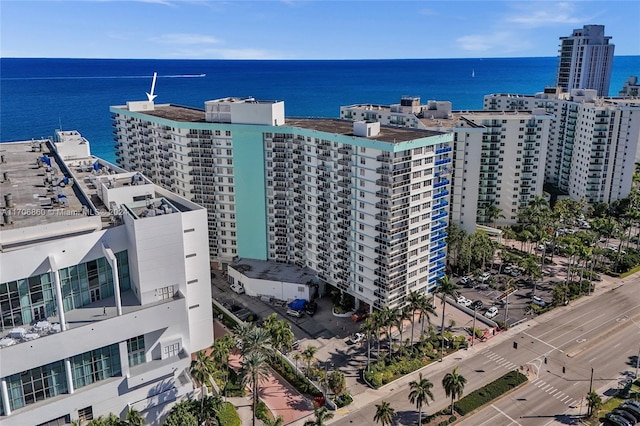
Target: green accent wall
{"points": [[250, 191]]}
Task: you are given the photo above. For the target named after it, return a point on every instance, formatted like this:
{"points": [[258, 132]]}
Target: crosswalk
{"points": [[555, 393], [502, 362], [541, 384]]}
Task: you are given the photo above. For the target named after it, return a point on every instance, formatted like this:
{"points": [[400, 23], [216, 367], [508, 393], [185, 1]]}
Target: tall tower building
{"points": [[586, 59], [363, 205]]}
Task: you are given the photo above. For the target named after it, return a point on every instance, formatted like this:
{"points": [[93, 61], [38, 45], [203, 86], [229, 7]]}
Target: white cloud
{"points": [[181, 38], [246, 53], [426, 12], [484, 42], [546, 14]]}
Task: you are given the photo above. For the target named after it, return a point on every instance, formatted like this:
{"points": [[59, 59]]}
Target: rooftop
{"points": [[329, 125], [36, 186], [265, 270]]}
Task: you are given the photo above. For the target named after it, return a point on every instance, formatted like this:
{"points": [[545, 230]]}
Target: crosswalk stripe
{"points": [[551, 389], [535, 379], [540, 383], [565, 397], [557, 394], [546, 387]]}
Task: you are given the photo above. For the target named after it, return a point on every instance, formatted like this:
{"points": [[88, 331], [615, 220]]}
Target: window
{"points": [[135, 350], [165, 293], [36, 384], [85, 414], [170, 350], [96, 365]]}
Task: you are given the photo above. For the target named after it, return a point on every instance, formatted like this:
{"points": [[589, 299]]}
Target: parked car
{"points": [[356, 338], [617, 420], [466, 279], [462, 300], [237, 288], [491, 312], [295, 313], [632, 402], [538, 301], [310, 308], [359, 316], [485, 276], [468, 303], [477, 305], [507, 269], [634, 411], [514, 273], [625, 415]]}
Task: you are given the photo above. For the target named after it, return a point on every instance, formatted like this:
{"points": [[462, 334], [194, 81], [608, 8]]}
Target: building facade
{"points": [[365, 206], [586, 60], [103, 287], [498, 158], [593, 142]]}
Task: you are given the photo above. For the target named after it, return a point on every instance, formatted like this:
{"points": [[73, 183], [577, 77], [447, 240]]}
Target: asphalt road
{"points": [[602, 331]]}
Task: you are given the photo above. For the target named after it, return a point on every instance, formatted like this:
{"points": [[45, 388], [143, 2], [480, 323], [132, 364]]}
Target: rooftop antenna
{"points": [[151, 96]]}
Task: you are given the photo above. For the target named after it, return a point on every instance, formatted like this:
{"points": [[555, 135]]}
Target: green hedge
{"points": [[630, 272], [381, 373], [488, 393], [301, 383], [228, 415], [262, 411]]}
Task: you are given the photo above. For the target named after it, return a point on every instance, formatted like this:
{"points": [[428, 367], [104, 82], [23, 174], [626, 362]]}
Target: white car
{"points": [[468, 302], [538, 301], [491, 312], [462, 300], [356, 338], [485, 276]]}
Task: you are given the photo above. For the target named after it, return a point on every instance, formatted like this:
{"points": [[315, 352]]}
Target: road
{"points": [[601, 331]]}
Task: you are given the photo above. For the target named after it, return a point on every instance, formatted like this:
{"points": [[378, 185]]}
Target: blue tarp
{"points": [[297, 304]]}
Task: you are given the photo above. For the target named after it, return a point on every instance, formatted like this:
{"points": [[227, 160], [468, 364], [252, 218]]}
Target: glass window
{"points": [[96, 365], [135, 349], [36, 384]]}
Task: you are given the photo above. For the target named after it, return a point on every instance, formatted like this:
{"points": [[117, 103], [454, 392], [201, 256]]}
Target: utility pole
{"points": [[591, 381], [473, 330], [637, 362]]}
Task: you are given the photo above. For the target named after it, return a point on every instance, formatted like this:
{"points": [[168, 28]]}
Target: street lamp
{"points": [[473, 329]]}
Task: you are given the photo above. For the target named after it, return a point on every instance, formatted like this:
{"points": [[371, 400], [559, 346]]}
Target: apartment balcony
{"points": [[440, 215], [346, 163], [438, 227], [443, 161], [440, 194], [443, 182], [444, 150], [438, 237], [384, 182], [384, 158], [441, 204], [439, 246]]}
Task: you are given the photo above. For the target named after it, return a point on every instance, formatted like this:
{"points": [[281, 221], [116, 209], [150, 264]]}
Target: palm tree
{"points": [[389, 318], [492, 213], [134, 418], [201, 369], [594, 402], [280, 332], [426, 309], [378, 321], [453, 384], [420, 394], [445, 288], [369, 329], [308, 355], [384, 414], [253, 370], [322, 416], [415, 299], [257, 340], [221, 350]]}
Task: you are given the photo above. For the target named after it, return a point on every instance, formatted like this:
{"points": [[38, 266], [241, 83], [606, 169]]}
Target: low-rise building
{"points": [[104, 287]]}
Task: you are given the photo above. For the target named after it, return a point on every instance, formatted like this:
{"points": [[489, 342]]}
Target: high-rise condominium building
{"points": [[104, 287], [593, 142], [498, 158], [365, 206], [586, 60]]}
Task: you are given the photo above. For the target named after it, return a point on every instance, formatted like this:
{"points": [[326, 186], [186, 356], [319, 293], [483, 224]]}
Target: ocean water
{"points": [[38, 96]]}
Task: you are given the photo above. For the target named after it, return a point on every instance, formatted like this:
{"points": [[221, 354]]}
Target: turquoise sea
{"points": [[40, 95]]}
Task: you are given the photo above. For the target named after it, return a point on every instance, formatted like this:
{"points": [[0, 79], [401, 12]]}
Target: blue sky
{"points": [[292, 29]]}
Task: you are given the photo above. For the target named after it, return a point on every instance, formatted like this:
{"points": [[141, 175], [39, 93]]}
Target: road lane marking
{"points": [[489, 420], [546, 387], [540, 340], [551, 389], [505, 414], [565, 398]]}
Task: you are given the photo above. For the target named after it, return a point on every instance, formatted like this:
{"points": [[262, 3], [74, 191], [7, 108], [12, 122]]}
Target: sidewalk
{"points": [[281, 398]]}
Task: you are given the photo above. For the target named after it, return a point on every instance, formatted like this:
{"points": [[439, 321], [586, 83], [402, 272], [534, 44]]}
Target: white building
{"points": [[104, 287], [281, 281], [593, 142], [362, 205], [498, 158], [630, 88], [586, 60]]}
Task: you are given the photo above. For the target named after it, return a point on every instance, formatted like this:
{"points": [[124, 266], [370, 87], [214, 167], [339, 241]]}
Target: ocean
{"points": [[38, 96]]}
